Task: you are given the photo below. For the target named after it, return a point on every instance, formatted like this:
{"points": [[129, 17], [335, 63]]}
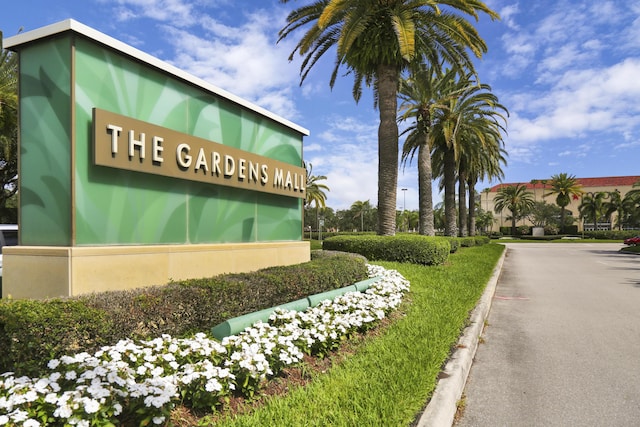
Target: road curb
{"points": [[442, 407]]}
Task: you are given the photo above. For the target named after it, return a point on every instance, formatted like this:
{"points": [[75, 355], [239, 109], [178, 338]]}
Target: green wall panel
{"points": [[122, 207], [45, 143]]}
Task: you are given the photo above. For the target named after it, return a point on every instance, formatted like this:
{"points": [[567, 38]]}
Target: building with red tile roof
{"points": [[540, 189]]}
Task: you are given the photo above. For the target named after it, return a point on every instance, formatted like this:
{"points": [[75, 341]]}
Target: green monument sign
{"points": [[133, 172]]}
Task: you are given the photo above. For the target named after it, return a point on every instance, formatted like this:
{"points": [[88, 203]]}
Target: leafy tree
{"points": [[564, 187], [375, 40], [8, 127], [517, 199], [484, 220], [543, 214]]}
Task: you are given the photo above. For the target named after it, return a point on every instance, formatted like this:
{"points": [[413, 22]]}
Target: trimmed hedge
{"points": [[414, 249], [611, 234], [455, 244], [33, 332]]}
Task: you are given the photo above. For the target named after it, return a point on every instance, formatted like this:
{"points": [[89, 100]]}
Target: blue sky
{"points": [[568, 71]]}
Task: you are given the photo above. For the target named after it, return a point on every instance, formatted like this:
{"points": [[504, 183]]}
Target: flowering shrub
{"points": [[142, 381]]}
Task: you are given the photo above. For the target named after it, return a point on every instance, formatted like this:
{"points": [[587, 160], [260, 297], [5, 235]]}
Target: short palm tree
{"points": [[315, 191], [517, 199], [592, 208], [375, 40], [631, 207], [614, 205], [564, 187], [360, 209]]}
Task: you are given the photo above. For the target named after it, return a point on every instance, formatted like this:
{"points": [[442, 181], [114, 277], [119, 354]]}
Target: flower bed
{"points": [[142, 381]]}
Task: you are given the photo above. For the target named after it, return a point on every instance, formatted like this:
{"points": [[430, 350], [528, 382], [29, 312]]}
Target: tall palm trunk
{"points": [[387, 85], [450, 217], [462, 205], [426, 226], [471, 186]]}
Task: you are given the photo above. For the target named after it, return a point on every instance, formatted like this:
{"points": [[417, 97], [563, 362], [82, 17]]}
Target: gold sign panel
{"points": [[125, 143]]}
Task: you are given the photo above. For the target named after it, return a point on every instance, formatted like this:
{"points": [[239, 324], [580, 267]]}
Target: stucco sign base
{"points": [[49, 272]]}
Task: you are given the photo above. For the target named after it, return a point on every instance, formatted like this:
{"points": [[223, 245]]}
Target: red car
{"points": [[633, 241]]}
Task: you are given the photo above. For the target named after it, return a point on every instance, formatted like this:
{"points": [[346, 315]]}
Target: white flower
{"points": [[91, 406], [20, 416], [63, 411], [117, 409], [51, 398], [213, 385]]}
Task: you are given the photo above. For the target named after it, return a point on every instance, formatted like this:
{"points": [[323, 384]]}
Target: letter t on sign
{"points": [[115, 133]]}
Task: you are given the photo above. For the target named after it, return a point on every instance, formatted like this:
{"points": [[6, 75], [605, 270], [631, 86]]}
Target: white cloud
{"points": [[507, 14], [243, 60], [179, 12], [581, 101], [312, 147], [348, 156]]}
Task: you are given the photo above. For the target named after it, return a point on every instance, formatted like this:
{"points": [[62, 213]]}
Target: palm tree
{"points": [[360, 209], [592, 207], [315, 191], [631, 207], [485, 221], [483, 163], [517, 199], [419, 95], [471, 118], [564, 187], [614, 205], [375, 41]]}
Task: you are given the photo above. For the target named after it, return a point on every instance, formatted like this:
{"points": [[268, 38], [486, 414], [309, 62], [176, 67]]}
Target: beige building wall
{"points": [[540, 189]]}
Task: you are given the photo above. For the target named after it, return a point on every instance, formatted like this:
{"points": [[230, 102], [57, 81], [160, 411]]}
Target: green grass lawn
{"points": [[389, 376], [631, 249]]}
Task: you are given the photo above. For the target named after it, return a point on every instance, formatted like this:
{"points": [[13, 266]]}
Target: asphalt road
{"points": [[562, 343]]}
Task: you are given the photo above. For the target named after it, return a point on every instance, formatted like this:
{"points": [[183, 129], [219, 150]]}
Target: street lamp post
{"points": [[404, 201]]}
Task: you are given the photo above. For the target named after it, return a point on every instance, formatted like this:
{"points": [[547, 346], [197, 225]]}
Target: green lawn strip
{"points": [[631, 249], [558, 241], [388, 379]]}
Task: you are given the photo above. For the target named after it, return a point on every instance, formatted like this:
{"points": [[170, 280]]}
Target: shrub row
{"points": [[611, 234], [415, 249], [470, 241], [33, 332]]}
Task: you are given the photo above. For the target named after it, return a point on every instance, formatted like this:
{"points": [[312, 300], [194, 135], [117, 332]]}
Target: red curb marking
{"points": [[511, 298]]}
